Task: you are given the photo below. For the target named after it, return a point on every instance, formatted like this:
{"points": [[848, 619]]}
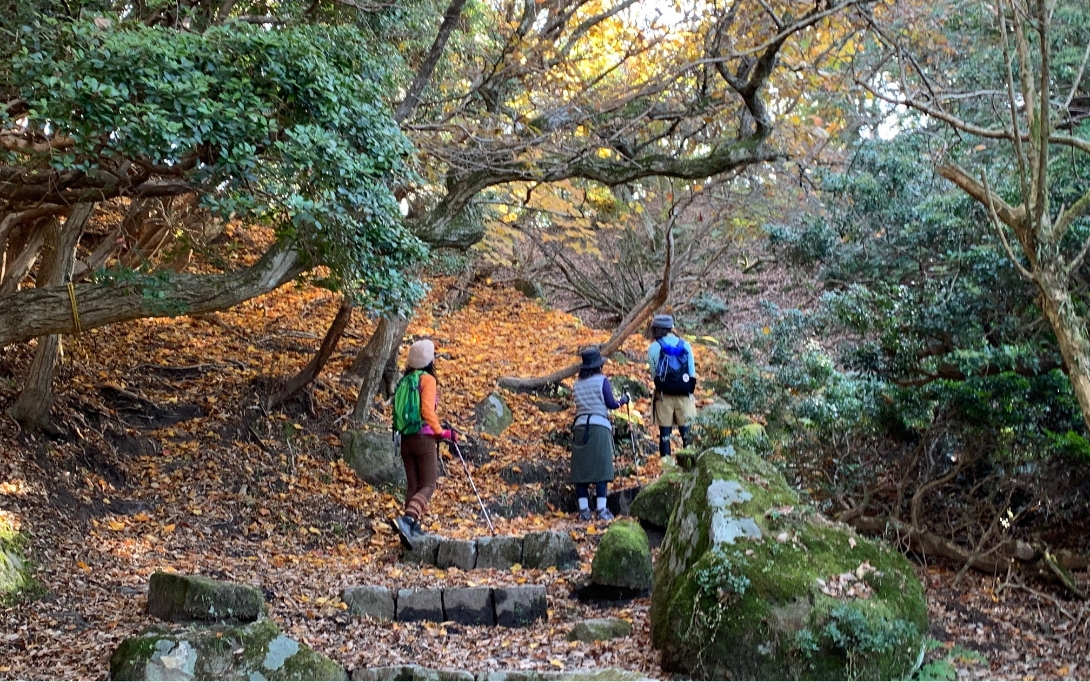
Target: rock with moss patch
{"points": [[176, 597], [622, 565], [372, 455], [493, 415], [633, 387], [603, 674], [258, 651], [599, 629], [411, 672], [15, 578], [751, 585], [655, 502]]}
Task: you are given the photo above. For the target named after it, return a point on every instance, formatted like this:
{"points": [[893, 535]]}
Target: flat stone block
{"points": [[370, 601], [426, 551], [599, 629], [620, 501], [459, 553], [520, 606], [176, 597], [420, 605], [469, 605], [410, 672], [501, 552], [549, 548]]}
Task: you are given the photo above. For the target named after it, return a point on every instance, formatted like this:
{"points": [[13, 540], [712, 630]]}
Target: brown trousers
{"points": [[420, 453]]}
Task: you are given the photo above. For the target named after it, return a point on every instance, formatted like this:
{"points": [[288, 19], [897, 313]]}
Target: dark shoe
{"points": [[404, 527], [584, 515], [417, 531], [605, 515]]}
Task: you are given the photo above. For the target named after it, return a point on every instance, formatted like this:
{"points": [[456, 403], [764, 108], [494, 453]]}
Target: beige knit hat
{"points": [[421, 354]]}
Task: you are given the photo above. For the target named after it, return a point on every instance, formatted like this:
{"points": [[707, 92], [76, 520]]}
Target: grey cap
{"points": [[663, 321]]}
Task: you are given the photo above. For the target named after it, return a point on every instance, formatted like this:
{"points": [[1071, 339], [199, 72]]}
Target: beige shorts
{"points": [[674, 410]]}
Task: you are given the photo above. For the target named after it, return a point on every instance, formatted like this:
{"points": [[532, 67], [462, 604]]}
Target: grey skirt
{"points": [[591, 461]]}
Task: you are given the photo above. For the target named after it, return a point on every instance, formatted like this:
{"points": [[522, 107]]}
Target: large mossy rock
{"points": [[750, 585], [655, 502], [15, 577], [176, 597], [622, 561], [257, 651], [371, 454], [493, 415]]}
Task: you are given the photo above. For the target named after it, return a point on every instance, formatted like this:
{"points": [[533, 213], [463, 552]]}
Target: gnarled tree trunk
{"points": [[371, 363], [31, 408], [21, 251], [336, 330], [41, 311]]}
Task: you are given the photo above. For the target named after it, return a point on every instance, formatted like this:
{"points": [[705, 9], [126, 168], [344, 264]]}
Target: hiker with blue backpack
{"points": [[415, 402], [592, 434], [674, 372]]}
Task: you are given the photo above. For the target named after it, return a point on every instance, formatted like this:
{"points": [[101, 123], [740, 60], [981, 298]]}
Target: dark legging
{"points": [[421, 456], [664, 438], [583, 489]]}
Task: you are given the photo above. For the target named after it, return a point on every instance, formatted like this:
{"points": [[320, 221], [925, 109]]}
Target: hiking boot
{"points": [[417, 531], [605, 515], [404, 527], [584, 515]]}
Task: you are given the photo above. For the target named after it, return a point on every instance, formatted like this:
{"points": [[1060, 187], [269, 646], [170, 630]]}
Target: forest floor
{"points": [[171, 464]]}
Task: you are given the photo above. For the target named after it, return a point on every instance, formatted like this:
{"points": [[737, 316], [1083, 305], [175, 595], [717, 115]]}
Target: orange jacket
{"points": [[429, 400]]}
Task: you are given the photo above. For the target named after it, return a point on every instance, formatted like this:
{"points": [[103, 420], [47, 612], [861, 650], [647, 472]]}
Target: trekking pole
{"points": [[631, 431], [458, 451]]}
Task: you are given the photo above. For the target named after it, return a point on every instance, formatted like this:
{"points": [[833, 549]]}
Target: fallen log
{"points": [[1016, 555], [652, 300]]}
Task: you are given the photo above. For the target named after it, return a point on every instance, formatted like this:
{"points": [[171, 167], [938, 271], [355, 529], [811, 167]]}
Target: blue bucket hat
{"points": [[592, 358], [663, 321]]}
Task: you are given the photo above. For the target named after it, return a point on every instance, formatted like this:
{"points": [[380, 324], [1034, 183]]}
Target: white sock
{"points": [[601, 503], [584, 504]]}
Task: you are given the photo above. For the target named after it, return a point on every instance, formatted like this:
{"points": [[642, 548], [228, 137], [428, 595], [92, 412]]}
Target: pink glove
{"points": [[448, 434]]}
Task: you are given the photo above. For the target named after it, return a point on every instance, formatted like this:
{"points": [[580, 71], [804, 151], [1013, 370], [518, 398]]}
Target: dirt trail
{"points": [[172, 465]]}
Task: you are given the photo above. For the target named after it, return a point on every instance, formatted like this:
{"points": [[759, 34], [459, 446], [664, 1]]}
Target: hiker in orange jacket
{"points": [[420, 451]]}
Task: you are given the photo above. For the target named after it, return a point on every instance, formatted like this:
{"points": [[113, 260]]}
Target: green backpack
{"points": [[407, 417]]}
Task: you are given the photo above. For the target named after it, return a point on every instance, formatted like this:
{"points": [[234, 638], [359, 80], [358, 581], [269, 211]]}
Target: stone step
{"points": [[513, 607], [538, 550], [419, 672]]}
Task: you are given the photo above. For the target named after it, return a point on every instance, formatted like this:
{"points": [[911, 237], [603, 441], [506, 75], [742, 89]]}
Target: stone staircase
{"points": [[513, 607], [538, 550]]}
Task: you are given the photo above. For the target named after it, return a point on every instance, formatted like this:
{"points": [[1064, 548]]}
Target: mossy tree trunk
{"points": [[31, 408]]}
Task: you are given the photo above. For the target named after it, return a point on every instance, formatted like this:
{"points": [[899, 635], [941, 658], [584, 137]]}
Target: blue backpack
{"points": [[672, 374]]}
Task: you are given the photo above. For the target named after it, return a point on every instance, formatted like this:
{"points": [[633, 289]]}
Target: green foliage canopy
{"points": [[281, 125]]}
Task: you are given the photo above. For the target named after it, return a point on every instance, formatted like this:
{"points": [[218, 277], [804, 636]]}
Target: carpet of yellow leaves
{"points": [[243, 495]]}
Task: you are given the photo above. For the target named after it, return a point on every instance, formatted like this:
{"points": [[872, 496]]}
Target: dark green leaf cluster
{"points": [[285, 126], [931, 322]]}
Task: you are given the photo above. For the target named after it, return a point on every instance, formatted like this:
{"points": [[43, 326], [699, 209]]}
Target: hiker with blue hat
{"points": [[674, 372], [592, 434]]}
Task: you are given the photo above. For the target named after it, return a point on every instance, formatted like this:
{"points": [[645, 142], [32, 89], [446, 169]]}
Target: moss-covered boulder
{"points": [[656, 501], [622, 564], [372, 455], [493, 415], [257, 651], [751, 585], [15, 578], [180, 598]]}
